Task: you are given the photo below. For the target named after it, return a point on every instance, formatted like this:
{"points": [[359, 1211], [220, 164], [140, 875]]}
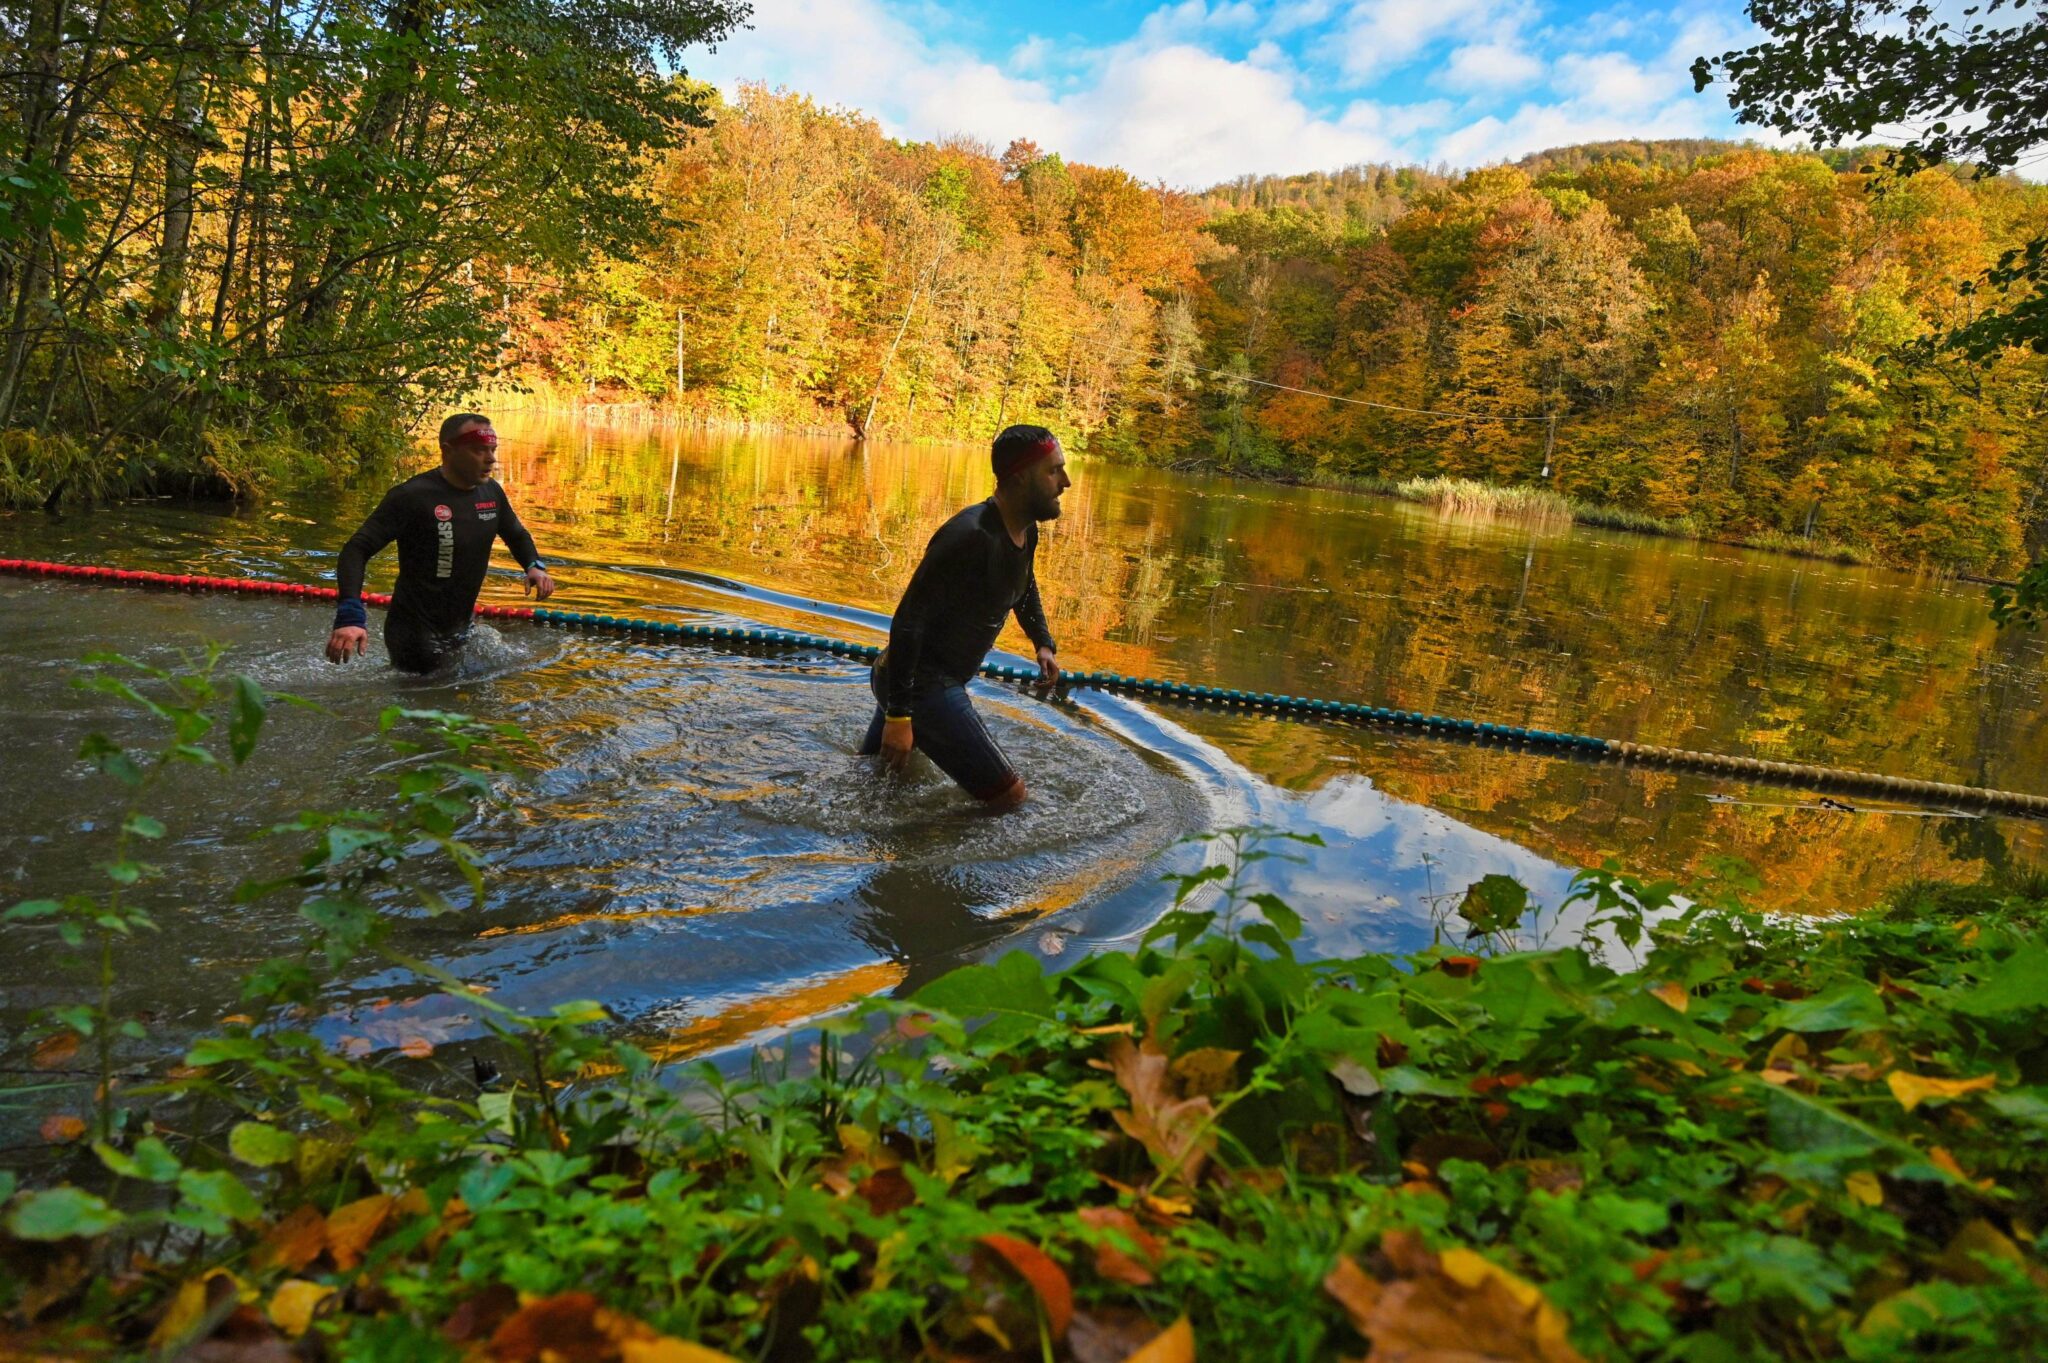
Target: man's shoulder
{"points": [[982, 520], [428, 484]]}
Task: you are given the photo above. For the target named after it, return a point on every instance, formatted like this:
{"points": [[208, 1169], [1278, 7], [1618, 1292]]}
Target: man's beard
{"points": [[1048, 509]]}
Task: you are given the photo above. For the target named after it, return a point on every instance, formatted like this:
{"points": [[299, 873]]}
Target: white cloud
{"points": [[1611, 83], [1383, 35], [1486, 67], [1314, 88]]}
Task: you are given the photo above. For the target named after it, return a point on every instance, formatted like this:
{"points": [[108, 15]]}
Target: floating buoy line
{"points": [[1792, 775]]}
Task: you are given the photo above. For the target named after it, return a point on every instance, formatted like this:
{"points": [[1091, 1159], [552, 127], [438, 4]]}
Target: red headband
{"points": [[1007, 462], [483, 437]]}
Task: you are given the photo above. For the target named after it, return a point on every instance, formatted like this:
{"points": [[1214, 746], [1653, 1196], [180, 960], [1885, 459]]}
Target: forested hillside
{"points": [[1722, 332]]}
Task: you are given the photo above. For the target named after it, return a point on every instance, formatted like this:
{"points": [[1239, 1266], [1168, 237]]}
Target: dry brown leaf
{"points": [[1914, 1089], [1173, 1130], [416, 1048], [294, 1242], [1113, 1262], [61, 1128], [478, 1318], [55, 1051], [1175, 1344], [1109, 1334], [1357, 1291], [1459, 1305], [1673, 995], [1048, 1280], [558, 1329], [887, 1191], [1205, 1071], [352, 1226]]}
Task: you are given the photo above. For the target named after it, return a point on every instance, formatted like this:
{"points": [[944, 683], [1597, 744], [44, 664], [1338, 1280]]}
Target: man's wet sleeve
{"points": [[513, 531], [371, 536], [1031, 613]]}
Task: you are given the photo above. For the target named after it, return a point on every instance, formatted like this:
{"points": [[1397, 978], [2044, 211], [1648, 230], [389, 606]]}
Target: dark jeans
{"points": [[945, 728]]}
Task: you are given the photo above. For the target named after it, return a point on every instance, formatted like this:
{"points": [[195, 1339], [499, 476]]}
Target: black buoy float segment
{"points": [[1802, 775]]}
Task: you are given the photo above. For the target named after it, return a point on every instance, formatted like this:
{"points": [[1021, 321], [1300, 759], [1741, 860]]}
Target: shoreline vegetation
{"points": [[1632, 1127], [1455, 496], [1678, 332]]}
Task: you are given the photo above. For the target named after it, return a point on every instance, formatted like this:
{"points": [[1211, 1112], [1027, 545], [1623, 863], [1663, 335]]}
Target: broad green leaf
{"points": [[1014, 984], [143, 826], [250, 707], [220, 1193], [260, 1144], [496, 1108], [151, 1160], [32, 908], [61, 1214], [1494, 903], [1852, 1005], [2017, 984], [1284, 919]]}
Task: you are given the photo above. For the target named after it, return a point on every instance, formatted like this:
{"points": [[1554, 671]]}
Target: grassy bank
{"points": [[53, 469], [1766, 1140]]}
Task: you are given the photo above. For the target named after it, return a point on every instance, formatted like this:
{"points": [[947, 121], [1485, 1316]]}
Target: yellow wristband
{"points": [[896, 719]]}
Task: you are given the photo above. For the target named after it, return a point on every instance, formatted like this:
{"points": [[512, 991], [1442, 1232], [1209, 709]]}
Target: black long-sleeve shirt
{"points": [[973, 575], [444, 547]]}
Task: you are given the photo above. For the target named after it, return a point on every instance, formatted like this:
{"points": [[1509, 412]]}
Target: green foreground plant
{"points": [[1767, 1140]]}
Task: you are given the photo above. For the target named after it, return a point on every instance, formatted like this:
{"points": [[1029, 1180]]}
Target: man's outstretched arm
{"points": [[351, 620], [519, 540], [1030, 613]]}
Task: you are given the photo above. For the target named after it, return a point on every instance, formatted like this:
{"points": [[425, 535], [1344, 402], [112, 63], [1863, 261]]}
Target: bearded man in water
{"points": [[444, 522], [976, 571]]}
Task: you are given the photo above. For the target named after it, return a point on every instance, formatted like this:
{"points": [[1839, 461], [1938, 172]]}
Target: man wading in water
{"points": [[976, 570], [444, 522]]}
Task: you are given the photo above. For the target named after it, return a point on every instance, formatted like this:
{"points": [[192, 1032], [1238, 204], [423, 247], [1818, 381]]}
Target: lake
{"points": [[701, 850]]}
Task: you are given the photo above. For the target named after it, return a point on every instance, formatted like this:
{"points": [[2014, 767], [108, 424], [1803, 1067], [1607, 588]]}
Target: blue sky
{"points": [[1201, 91]]}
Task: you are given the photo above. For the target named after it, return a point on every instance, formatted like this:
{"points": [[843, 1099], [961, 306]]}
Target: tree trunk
{"points": [[181, 155]]}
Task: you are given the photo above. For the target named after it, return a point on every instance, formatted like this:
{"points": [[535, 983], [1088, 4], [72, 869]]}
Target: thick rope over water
{"points": [[1789, 774]]}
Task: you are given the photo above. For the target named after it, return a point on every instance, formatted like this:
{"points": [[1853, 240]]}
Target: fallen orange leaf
{"points": [[1914, 1089], [1048, 1280], [1173, 1130], [1459, 1304], [352, 1226], [294, 1242], [1673, 994], [1941, 1159], [61, 1128], [1357, 1291], [416, 1047], [1459, 967], [1113, 1262], [55, 1051], [562, 1327]]}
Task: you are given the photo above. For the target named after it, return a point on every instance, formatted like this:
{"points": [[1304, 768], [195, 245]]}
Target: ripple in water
{"points": [[701, 848]]}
